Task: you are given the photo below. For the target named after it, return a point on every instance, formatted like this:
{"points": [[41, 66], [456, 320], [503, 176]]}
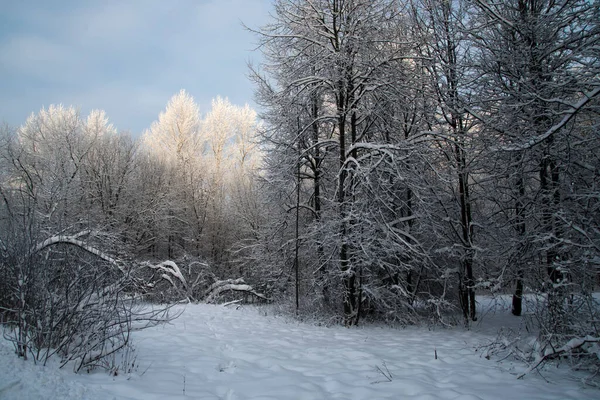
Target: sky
{"points": [[127, 57]]}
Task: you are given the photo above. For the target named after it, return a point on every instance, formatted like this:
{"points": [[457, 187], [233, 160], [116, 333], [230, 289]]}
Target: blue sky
{"points": [[126, 57]]}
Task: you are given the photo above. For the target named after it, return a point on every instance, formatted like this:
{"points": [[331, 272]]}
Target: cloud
{"points": [[126, 57], [37, 57]]}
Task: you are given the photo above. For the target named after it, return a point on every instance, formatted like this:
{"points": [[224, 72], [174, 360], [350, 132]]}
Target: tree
{"points": [[445, 47], [175, 140], [329, 72], [107, 175], [61, 295], [51, 149], [538, 62], [231, 160]]}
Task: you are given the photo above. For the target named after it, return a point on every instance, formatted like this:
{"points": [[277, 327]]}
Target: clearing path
{"points": [[216, 352]]}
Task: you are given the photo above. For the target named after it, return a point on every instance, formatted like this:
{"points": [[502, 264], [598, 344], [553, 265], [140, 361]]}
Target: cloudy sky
{"points": [[127, 57]]}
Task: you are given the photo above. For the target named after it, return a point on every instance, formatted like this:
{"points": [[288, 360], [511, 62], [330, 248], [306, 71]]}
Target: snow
{"points": [[171, 268], [217, 352], [73, 240]]}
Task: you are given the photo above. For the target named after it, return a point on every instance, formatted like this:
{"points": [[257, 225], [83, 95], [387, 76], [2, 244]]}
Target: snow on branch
{"points": [[320, 143], [495, 14], [378, 147], [223, 282], [171, 269], [571, 345], [230, 284], [74, 241], [587, 97]]}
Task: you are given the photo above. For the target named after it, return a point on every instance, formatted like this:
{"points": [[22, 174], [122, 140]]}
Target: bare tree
{"points": [[540, 57], [329, 86], [176, 141]]}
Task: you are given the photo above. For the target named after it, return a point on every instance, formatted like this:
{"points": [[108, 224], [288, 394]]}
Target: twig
{"points": [[387, 374]]}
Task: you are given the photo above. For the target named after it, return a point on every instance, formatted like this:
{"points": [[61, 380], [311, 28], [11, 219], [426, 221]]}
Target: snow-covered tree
{"points": [[175, 140], [334, 72], [232, 159], [539, 90], [444, 48]]}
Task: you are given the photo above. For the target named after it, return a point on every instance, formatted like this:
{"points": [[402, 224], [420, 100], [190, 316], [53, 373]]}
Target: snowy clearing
{"points": [[216, 352]]}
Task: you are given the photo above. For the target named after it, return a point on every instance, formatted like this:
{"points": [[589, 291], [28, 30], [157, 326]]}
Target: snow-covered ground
{"points": [[216, 352]]}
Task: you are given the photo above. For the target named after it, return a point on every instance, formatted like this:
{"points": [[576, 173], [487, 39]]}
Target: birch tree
{"points": [[231, 161], [52, 149]]}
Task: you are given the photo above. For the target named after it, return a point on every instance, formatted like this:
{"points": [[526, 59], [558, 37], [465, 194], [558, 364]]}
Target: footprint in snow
{"points": [[228, 367], [226, 347]]}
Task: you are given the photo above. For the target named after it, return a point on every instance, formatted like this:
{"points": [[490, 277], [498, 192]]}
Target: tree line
{"points": [[94, 221]]}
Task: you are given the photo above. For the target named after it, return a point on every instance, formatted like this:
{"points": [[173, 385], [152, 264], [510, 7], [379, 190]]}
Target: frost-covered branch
{"points": [[567, 348], [74, 241], [230, 284], [170, 268], [575, 108]]}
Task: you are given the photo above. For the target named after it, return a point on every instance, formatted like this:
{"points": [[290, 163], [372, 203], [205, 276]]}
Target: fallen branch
{"points": [[169, 270], [74, 241], [566, 349], [221, 283], [229, 303], [230, 284]]}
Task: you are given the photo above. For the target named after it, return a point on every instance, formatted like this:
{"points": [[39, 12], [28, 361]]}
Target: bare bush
{"points": [[65, 298]]}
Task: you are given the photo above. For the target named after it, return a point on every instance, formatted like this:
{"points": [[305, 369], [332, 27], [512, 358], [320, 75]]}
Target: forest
{"points": [[405, 157]]}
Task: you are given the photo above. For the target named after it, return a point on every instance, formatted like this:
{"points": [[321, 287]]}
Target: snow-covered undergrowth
{"points": [[216, 352]]}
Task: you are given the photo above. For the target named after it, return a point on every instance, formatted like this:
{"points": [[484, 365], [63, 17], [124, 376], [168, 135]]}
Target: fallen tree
{"points": [[230, 285], [168, 271]]}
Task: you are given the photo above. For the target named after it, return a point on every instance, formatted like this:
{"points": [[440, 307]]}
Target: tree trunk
{"points": [[517, 301], [297, 248], [468, 289]]}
